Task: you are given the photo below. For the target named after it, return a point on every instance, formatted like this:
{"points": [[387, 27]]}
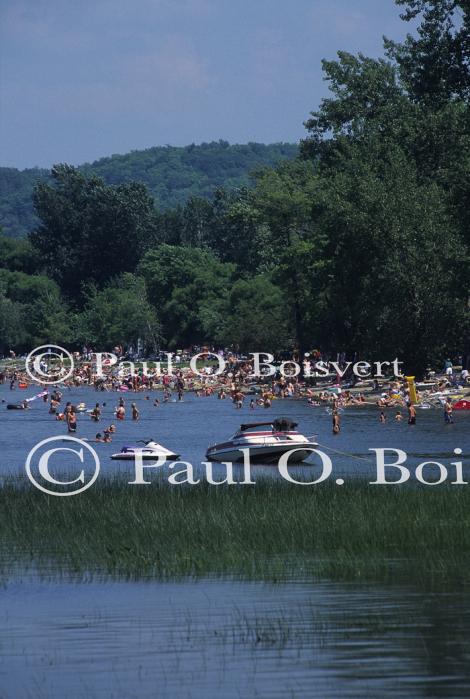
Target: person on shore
{"points": [[448, 410], [336, 422], [411, 414]]}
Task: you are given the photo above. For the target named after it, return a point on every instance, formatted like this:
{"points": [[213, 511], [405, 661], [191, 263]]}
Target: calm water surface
{"points": [[227, 638], [190, 426]]}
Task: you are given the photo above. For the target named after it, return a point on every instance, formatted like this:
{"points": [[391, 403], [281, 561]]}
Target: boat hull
{"points": [[262, 454]]}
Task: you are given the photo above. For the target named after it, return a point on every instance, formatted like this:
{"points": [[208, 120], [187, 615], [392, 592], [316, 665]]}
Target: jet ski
{"points": [[151, 451]]}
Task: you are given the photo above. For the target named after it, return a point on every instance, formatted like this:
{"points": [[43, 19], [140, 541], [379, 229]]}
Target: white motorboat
{"points": [[151, 451], [266, 441]]}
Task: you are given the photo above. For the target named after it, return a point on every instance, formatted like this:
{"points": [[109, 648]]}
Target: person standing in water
{"points": [[411, 414], [135, 412], [120, 412], [96, 413], [336, 422], [72, 422], [448, 410]]}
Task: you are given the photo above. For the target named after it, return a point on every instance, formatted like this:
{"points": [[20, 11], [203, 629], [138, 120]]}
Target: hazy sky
{"points": [[81, 79]]}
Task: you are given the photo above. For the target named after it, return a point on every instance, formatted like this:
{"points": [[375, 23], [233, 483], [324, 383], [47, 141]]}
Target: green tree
{"points": [[188, 287], [435, 64], [89, 231], [12, 331], [392, 158], [258, 318], [19, 255], [119, 314], [37, 305], [285, 199]]}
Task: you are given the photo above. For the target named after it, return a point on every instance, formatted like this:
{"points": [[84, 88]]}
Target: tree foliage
{"points": [[90, 231], [119, 312]]}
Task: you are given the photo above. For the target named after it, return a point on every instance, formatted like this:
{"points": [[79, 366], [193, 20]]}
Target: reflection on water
{"points": [[228, 639]]}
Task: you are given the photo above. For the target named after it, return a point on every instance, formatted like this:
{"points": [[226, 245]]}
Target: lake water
{"points": [[228, 638], [225, 639], [190, 426]]}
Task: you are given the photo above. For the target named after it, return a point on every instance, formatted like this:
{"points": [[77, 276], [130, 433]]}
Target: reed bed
{"points": [[273, 531]]}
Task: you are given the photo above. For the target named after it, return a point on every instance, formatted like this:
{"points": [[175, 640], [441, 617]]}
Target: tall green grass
{"points": [[272, 530]]}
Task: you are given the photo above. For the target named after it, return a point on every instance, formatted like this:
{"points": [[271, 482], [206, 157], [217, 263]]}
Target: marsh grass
{"points": [[271, 531]]}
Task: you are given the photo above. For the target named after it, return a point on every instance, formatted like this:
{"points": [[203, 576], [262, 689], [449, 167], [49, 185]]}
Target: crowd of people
{"points": [[237, 384]]}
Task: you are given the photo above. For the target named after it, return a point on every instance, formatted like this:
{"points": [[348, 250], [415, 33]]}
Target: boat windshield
{"points": [[264, 427]]}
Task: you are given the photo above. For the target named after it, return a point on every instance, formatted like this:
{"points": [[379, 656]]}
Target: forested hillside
{"points": [[172, 175]]}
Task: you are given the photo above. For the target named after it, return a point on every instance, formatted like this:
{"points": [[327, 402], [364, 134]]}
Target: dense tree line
{"points": [[360, 245], [172, 175]]}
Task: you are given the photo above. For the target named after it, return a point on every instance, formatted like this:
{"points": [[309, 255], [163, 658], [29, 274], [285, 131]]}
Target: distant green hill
{"points": [[172, 174]]}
